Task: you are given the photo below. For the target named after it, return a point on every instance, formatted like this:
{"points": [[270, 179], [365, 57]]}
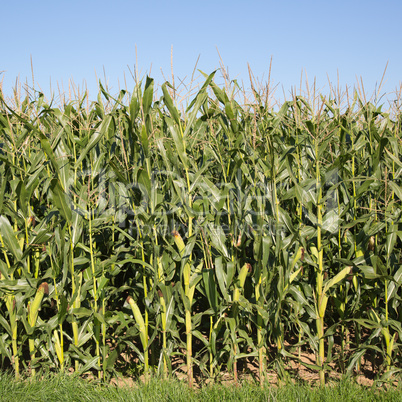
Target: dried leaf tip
{"points": [[44, 287]]}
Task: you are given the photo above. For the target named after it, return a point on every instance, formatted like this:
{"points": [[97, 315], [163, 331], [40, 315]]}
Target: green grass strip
{"points": [[66, 388]]}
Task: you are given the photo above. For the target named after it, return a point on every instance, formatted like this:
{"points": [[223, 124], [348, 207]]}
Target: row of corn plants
{"points": [[136, 233]]}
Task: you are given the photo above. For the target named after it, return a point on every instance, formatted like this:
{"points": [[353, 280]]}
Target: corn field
{"points": [[135, 232]]}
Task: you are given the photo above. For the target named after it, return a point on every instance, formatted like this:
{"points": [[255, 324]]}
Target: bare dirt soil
{"points": [[248, 371]]}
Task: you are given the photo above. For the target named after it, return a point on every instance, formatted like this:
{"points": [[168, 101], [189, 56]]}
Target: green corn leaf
{"points": [[61, 200], [134, 108], [145, 140], [396, 189], [221, 277], [36, 304], [90, 363], [169, 103], [208, 276], [200, 93], [107, 127], [9, 238], [49, 152], [148, 95], [178, 141], [218, 239], [391, 238], [340, 276], [23, 197]]}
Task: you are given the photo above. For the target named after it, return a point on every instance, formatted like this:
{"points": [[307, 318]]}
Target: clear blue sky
{"points": [[73, 39]]}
